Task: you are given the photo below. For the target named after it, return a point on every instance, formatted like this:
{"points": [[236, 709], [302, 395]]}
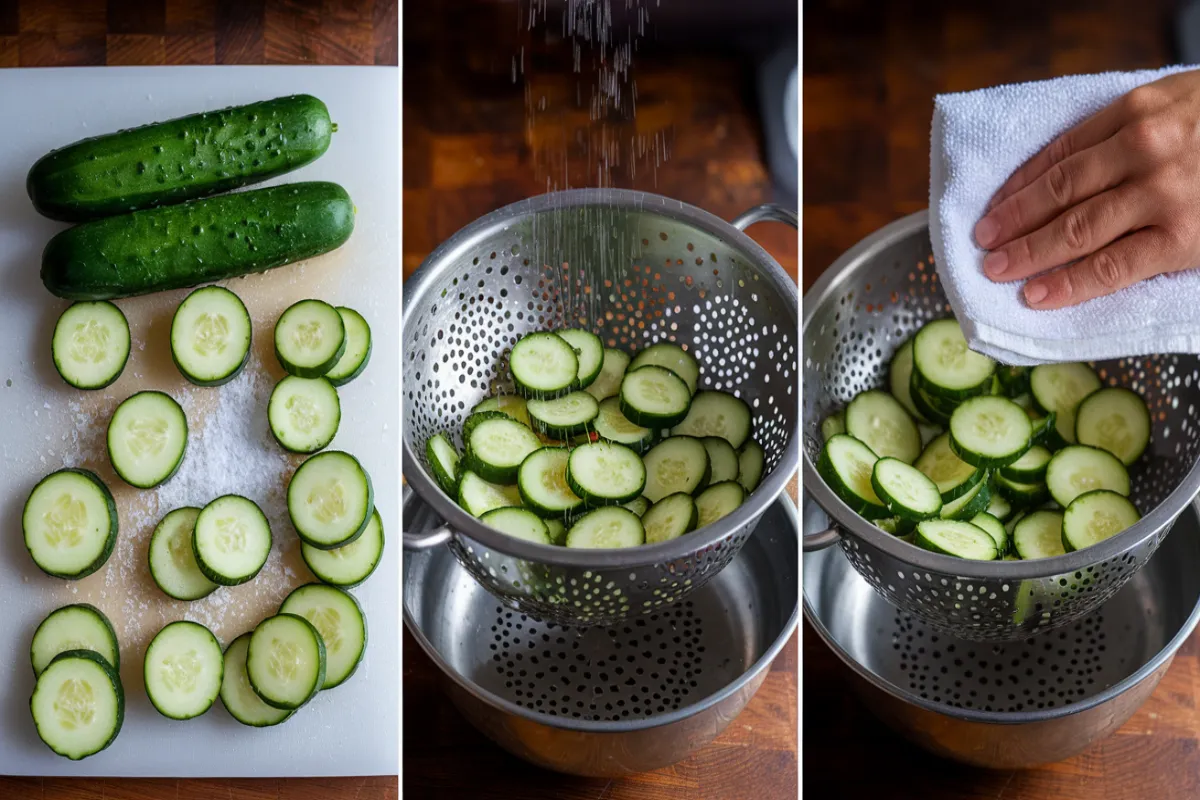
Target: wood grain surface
{"points": [[870, 74], [469, 148], [60, 33]]}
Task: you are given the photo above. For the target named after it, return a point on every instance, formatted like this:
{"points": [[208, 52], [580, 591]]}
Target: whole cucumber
{"points": [[181, 159], [174, 247]]}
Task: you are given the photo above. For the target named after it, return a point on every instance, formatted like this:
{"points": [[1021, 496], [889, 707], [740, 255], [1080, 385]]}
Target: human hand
{"points": [[1119, 194]]}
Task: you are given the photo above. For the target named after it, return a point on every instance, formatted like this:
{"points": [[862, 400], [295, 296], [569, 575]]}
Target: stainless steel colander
{"points": [[860, 311], [635, 268]]}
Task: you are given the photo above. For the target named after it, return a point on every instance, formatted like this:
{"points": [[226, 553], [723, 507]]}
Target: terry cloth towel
{"points": [[980, 138]]}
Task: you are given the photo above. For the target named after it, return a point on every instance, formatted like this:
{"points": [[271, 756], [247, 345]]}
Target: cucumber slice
{"points": [[1116, 420], [79, 626], [1061, 388], [210, 336], [879, 421], [557, 530], [91, 344], [351, 564], [479, 417], [1045, 431], [543, 365], [613, 426], [905, 490], [172, 557], [654, 397], [676, 464], [1095, 516], [358, 348], [670, 518], [944, 366], [999, 506], [751, 462], [606, 474], [716, 414], [1077, 469], [1038, 534], [511, 405], [496, 448], [970, 504], [929, 432], [589, 351], [900, 379], [607, 528], [310, 338], [231, 540], [994, 528], [846, 464], [443, 462], [477, 496], [956, 538], [520, 523], [286, 661], [339, 620], [69, 523], [1024, 495], [542, 482], [672, 357], [608, 382], [304, 413], [832, 425], [78, 704], [1014, 381], [147, 437], [183, 670], [989, 431], [330, 499], [237, 695], [563, 417], [722, 459], [900, 528], [717, 501], [1030, 467], [953, 476], [937, 412], [638, 505]]}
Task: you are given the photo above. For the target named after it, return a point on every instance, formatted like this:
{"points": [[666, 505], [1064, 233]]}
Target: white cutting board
{"points": [[350, 730]]}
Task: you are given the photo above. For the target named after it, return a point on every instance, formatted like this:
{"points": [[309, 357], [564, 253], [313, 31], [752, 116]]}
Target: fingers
{"points": [[1126, 261], [1074, 234]]}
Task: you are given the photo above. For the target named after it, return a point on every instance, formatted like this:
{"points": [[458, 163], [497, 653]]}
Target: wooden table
{"points": [[37, 33], [870, 75], [468, 151]]}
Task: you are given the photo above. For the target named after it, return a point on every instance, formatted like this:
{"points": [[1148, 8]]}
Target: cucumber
{"points": [[231, 540], [832, 425], [1023, 495], [989, 431], [477, 496], [358, 348], [563, 417], [716, 414], [607, 528], [654, 397], [670, 518], [1095, 516], [91, 344], [304, 413], [608, 382], [351, 564], [286, 661], [589, 351], [936, 411], [183, 670], [879, 421], [672, 357], [945, 367], [330, 499], [176, 247], [900, 379], [1014, 381], [496, 448], [722, 459], [846, 464], [543, 365], [520, 523], [443, 462], [237, 695], [210, 336], [1116, 420], [606, 474], [310, 338], [339, 620], [542, 482], [147, 437], [717, 501], [1038, 534], [994, 528], [956, 538], [973, 502], [999, 506], [78, 704], [638, 505], [180, 159], [511, 405], [751, 462], [172, 557], [676, 464], [1060, 388], [70, 523], [1030, 467], [906, 491], [953, 476], [79, 626], [613, 426], [1077, 469]]}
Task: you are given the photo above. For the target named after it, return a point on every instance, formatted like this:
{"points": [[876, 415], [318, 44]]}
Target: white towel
{"points": [[980, 138]]}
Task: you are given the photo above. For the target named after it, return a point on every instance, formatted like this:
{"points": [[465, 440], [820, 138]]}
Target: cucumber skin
{"points": [[99, 615], [116, 682], [112, 530], [362, 616], [181, 159], [180, 246]]}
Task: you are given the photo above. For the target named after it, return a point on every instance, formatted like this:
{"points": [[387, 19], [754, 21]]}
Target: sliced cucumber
{"points": [[613, 426], [989, 431], [91, 344], [563, 417], [496, 448], [147, 437], [674, 358], [1038, 534], [512, 406], [304, 413], [717, 501], [716, 414], [846, 464], [231, 540], [589, 351], [542, 481], [1115, 420], [970, 504], [358, 348], [79, 626], [937, 412], [339, 619], [670, 518], [722, 459], [1095, 516], [999, 506], [1023, 495], [606, 474], [608, 382], [956, 538], [237, 695], [638, 505], [654, 397], [543, 365], [557, 530], [172, 557], [1045, 431], [994, 528], [310, 338], [520, 523], [832, 425], [351, 564], [945, 367], [78, 704], [443, 462], [607, 528], [751, 462], [879, 421], [1077, 469], [1014, 381], [905, 490], [477, 496], [210, 336], [70, 523], [1061, 388], [900, 379], [1030, 467], [330, 499], [953, 476], [286, 661], [183, 670], [676, 464]]}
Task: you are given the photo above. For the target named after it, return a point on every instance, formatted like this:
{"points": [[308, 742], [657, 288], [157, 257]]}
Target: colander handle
{"points": [[424, 539], [765, 213], [815, 517]]}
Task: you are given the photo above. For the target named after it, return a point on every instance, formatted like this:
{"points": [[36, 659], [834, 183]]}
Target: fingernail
{"points": [[995, 263], [1035, 293], [985, 232]]}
